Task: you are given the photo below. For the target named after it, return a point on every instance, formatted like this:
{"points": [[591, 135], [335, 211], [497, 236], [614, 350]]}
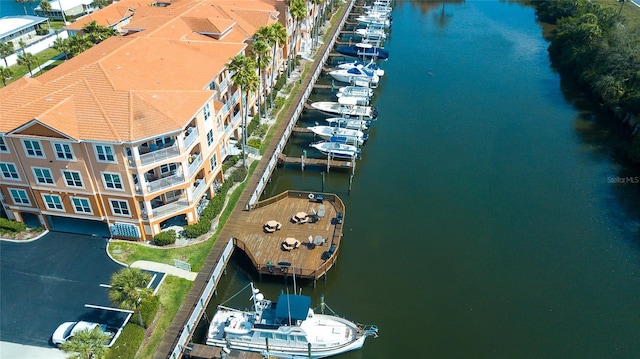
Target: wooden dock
{"points": [[200, 351], [317, 162], [265, 251]]}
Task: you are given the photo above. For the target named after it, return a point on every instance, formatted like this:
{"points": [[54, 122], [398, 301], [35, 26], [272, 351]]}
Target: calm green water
{"points": [[484, 221]]}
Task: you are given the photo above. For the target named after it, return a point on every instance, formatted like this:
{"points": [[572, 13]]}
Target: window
{"points": [[206, 110], [72, 178], [212, 85], [105, 153], [112, 181], [53, 202], [81, 205], [9, 171], [43, 175], [120, 208], [172, 195], [33, 148], [19, 196], [163, 142], [210, 137], [168, 168], [3, 145], [214, 162], [63, 151]]}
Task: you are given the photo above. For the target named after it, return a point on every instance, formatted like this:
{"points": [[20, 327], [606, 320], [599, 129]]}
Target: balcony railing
{"points": [[170, 208], [235, 97], [223, 86], [191, 138], [195, 165], [225, 108], [165, 182], [159, 155], [202, 185]]}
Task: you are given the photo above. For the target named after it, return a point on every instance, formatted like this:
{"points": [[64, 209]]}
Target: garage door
{"points": [[77, 225]]}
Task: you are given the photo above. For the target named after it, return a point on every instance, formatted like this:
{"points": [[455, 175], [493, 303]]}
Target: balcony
{"points": [[170, 208], [160, 155], [191, 137], [225, 108], [200, 188], [235, 97], [165, 182], [223, 86], [195, 165]]}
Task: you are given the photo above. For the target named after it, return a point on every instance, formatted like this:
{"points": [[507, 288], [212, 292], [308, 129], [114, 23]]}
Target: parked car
{"points": [[68, 329]]}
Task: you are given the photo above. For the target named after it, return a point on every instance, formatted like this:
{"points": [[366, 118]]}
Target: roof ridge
{"points": [[101, 108]]}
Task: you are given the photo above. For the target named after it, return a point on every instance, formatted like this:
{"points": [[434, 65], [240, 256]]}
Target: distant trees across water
{"points": [[597, 46]]}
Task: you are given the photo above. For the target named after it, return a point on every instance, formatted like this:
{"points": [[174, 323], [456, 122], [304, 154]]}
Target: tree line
{"points": [[596, 45]]}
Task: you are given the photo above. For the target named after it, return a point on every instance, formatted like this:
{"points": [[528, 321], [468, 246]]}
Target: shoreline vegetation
{"points": [[598, 46]]}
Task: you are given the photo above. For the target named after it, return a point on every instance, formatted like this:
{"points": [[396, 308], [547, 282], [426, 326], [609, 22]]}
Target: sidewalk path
{"points": [[13, 350], [165, 268]]}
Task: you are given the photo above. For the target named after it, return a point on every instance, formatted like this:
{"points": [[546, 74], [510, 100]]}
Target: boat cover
{"points": [[292, 306]]}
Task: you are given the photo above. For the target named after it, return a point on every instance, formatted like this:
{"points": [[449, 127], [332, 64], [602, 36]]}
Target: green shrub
{"points": [[149, 309], [278, 103], [165, 238], [12, 226], [239, 174], [210, 212], [230, 162], [280, 83], [127, 343], [254, 142]]}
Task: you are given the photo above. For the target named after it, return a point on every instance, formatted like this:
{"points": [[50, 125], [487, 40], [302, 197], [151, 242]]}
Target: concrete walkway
{"points": [[13, 350], [165, 268]]}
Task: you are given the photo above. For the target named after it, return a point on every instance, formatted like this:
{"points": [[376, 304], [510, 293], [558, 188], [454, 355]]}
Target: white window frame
{"points": [[75, 205], [66, 180], [33, 149], [206, 112], [168, 168], [119, 202], [55, 205], [43, 170], [105, 154], [10, 171], [3, 145], [210, 138], [20, 201], [65, 149], [169, 196], [214, 161], [106, 182]]}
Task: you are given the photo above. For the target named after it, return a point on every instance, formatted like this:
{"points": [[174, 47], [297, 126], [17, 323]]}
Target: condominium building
{"points": [[131, 133]]}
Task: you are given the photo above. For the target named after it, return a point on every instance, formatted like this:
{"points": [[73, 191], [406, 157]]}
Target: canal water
{"points": [[490, 215]]}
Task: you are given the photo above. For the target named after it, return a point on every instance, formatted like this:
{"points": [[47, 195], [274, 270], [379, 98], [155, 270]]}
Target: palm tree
{"points": [[298, 11], [28, 60], [129, 288], [87, 344], [97, 33], [78, 44], [277, 35], [5, 74], [6, 49], [63, 46], [45, 5], [319, 14], [261, 50], [245, 78]]}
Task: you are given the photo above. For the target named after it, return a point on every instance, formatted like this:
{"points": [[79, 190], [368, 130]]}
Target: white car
{"points": [[68, 329]]}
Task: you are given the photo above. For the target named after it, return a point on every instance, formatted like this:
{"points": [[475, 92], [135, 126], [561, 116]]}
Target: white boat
{"points": [[371, 32], [344, 110], [355, 91], [337, 149], [380, 8], [352, 100], [352, 123], [288, 328], [353, 74], [369, 19], [369, 66], [342, 135]]}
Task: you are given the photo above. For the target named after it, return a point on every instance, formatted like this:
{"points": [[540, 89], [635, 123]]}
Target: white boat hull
{"points": [[345, 110], [353, 124]]}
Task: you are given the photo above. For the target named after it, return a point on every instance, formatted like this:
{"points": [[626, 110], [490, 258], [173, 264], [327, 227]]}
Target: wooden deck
{"points": [[200, 351], [322, 162], [265, 249]]}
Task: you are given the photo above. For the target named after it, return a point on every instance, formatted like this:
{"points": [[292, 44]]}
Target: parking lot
{"points": [[48, 281]]}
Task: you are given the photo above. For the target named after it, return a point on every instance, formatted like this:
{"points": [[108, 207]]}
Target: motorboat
{"points": [[355, 91], [353, 74], [374, 19], [369, 66], [352, 123], [371, 32], [337, 149], [363, 50], [342, 135], [352, 100], [286, 328], [344, 110]]}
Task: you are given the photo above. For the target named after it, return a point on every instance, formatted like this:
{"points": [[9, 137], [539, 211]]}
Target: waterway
{"points": [[490, 215]]}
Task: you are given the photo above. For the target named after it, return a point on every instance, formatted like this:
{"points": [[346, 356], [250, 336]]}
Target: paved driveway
{"points": [[48, 281]]}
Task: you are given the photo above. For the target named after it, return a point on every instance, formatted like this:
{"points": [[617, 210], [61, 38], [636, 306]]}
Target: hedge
{"points": [[210, 212], [165, 238], [149, 309], [12, 226], [128, 343]]}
